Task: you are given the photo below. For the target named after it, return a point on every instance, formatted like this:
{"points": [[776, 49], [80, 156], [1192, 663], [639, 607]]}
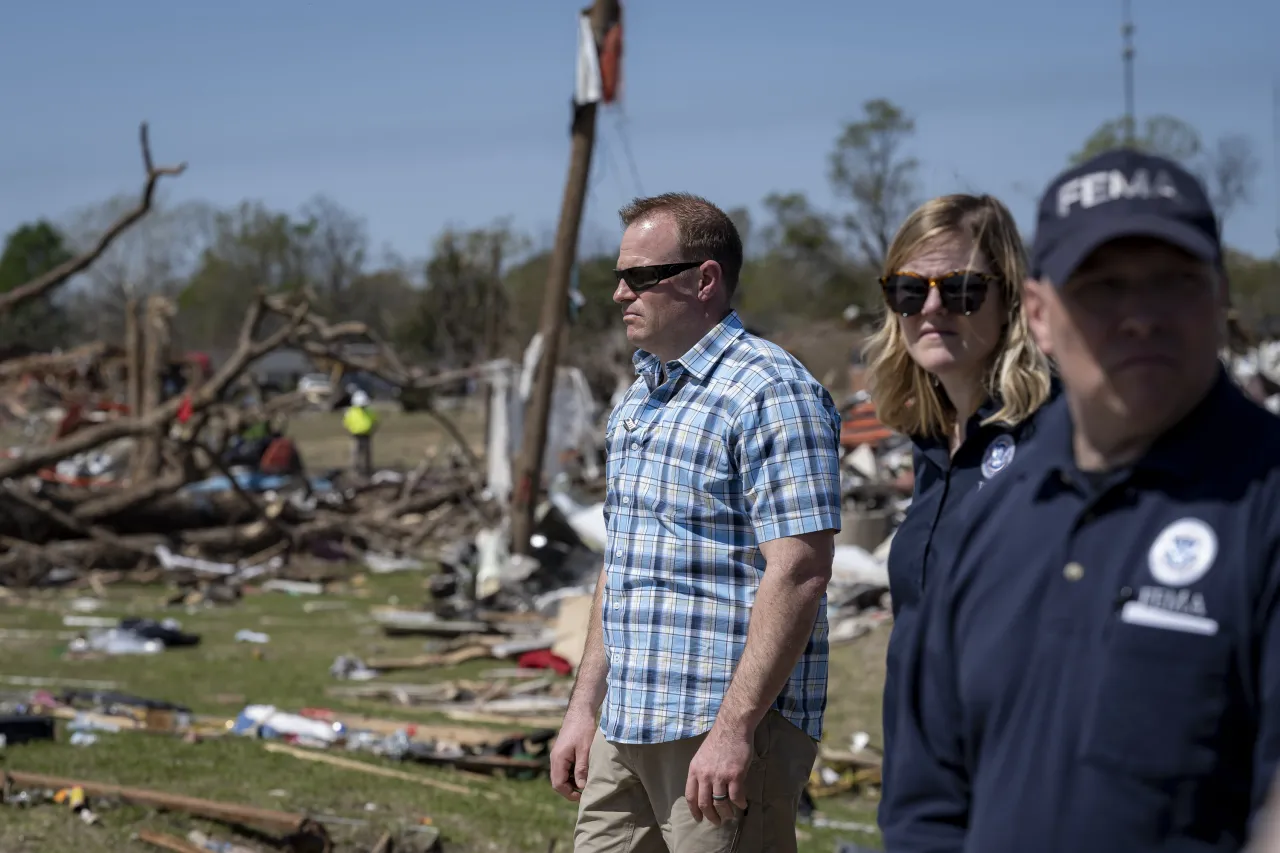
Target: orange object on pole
{"points": [[611, 63]]}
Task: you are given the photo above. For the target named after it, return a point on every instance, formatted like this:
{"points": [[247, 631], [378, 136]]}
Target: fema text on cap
{"points": [[1098, 188]]}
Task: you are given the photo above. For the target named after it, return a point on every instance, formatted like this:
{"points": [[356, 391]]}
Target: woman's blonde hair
{"points": [[906, 397]]}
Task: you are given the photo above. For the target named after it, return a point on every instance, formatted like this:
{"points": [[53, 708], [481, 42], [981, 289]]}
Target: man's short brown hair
{"points": [[704, 231]]}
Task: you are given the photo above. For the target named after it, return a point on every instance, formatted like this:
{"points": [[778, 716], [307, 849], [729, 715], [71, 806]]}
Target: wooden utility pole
{"points": [[555, 304]]}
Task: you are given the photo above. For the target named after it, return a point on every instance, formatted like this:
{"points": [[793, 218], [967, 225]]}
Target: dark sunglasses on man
{"points": [[962, 291], [640, 279]]}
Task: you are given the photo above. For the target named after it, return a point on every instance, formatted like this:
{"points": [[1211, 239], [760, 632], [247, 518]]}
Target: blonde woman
{"points": [[954, 367]]}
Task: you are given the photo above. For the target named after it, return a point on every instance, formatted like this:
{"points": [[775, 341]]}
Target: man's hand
{"points": [[795, 577], [718, 775], [571, 754]]}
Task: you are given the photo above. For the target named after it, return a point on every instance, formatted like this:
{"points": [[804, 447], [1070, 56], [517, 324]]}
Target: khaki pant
{"points": [[634, 799]]}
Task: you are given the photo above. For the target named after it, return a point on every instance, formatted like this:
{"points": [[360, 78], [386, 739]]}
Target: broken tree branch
{"points": [[255, 506], [247, 351], [304, 833], [42, 284], [63, 519], [16, 368]]}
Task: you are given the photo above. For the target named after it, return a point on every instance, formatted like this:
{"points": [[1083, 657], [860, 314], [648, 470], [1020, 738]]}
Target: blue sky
{"points": [[420, 115]]}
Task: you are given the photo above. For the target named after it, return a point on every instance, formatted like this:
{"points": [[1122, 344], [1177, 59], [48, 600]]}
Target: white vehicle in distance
{"points": [[315, 386]]}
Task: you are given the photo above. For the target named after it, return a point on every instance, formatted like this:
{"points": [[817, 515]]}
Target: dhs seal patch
{"points": [[1183, 552], [998, 456]]}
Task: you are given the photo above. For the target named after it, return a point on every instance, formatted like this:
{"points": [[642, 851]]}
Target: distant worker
{"points": [[952, 366], [361, 422]]}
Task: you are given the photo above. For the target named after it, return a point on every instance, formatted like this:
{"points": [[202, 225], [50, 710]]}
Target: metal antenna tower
{"points": [[1126, 33]]}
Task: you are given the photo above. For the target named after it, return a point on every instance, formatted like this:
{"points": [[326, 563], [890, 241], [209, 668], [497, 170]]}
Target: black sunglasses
{"points": [[962, 291], [640, 279]]}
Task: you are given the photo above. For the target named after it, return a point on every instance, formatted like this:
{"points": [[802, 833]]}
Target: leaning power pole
{"points": [[1126, 33], [604, 15]]}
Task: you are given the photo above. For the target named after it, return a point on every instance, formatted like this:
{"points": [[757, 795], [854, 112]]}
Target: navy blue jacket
{"points": [[943, 485], [1099, 669]]}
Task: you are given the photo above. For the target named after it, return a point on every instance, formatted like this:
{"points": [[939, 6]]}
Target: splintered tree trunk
{"points": [[133, 358], [155, 356]]}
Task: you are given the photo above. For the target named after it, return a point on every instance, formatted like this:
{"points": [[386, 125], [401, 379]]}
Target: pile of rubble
{"points": [[151, 480], [1257, 370], [120, 462], [164, 488]]}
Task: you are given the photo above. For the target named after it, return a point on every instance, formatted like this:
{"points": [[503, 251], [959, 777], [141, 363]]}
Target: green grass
{"points": [[401, 440], [220, 676]]}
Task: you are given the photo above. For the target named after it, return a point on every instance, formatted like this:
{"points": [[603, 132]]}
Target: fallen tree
{"points": [[54, 520]]}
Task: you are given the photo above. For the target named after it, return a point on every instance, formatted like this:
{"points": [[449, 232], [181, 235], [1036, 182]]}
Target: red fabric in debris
{"points": [[280, 457], [71, 420], [185, 410], [545, 659]]}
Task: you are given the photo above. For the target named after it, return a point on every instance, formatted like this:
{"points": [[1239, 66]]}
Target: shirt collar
{"points": [[1179, 453], [938, 448], [701, 358]]}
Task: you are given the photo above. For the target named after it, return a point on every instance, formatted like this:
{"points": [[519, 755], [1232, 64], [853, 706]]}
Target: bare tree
{"points": [[252, 249], [156, 257], [741, 218], [1164, 136], [381, 300], [801, 261], [871, 169], [464, 310], [49, 281], [1229, 171], [337, 248]]}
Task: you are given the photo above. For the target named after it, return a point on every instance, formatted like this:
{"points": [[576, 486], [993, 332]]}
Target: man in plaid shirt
{"points": [[706, 655]]}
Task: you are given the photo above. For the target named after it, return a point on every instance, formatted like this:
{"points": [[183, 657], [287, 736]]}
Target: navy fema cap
{"points": [[1121, 193]]}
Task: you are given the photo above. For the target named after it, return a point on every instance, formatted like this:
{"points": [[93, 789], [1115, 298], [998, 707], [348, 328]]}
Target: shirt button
{"points": [[617, 552], [1073, 571], [635, 445], [626, 501]]}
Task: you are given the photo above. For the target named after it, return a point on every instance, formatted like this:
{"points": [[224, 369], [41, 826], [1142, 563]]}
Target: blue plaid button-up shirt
{"points": [[739, 445]]}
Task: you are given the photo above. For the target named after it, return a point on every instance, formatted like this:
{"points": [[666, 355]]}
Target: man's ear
{"points": [[711, 281], [1036, 296]]}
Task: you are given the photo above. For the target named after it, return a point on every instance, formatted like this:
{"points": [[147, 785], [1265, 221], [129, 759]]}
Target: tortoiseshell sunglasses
{"points": [[962, 291]]}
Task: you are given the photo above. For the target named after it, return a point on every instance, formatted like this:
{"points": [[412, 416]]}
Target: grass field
{"points": [[400, 442], [220, 676]]}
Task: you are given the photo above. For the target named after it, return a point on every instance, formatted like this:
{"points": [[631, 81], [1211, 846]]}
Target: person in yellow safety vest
{"points": [[361, 422]]}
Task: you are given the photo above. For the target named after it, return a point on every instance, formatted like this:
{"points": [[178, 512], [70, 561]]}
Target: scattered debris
{"points": [[298, 833], [350, 764]]}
